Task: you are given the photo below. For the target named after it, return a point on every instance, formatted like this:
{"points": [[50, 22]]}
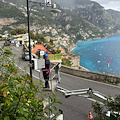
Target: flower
{"points": [[38, 98], [7, 65], [13, 73], [29, 101], [25, 97], [4, 94], [22, 82]]}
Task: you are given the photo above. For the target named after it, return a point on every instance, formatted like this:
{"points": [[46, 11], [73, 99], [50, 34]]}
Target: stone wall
{"points": [[102, 77]]}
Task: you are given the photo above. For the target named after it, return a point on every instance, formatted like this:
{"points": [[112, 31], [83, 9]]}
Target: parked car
{"points": [[25, 56], [10, 39], [7, 43], [38, 53], [48, 52]]}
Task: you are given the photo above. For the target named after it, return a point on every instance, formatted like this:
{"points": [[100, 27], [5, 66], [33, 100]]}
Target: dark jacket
{"points": [[46, 70]]}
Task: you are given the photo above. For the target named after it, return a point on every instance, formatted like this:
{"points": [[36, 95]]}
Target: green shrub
{"points": [[18, 31], [112, 105], [55, 57], [66, 62], [19, 98]]}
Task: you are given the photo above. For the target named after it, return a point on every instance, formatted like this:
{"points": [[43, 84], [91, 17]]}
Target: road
{"points": [[74, 107]]}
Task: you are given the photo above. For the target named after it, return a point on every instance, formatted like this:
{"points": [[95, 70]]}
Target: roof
{"points": [[62, 50], [40, 46], [55, 48]]}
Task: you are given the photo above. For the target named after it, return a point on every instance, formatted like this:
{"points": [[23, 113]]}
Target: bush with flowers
{"points": [[19, 98]]}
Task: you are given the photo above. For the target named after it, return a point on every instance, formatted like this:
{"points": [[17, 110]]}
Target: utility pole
{"points": [[28, 20]]}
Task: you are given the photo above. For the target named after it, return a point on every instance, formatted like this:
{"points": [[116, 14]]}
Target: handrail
{"points": [[57, 74], [54, 78], [54, 66]]}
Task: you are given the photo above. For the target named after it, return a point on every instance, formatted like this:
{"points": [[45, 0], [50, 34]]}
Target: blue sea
{"points": [[100, 55]]}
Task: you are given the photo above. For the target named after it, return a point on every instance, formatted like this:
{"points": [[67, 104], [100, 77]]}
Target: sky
{"points": [[109, 4]]}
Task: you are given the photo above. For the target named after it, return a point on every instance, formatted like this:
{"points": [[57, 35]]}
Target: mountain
{"points": [[65, 22], [15, 15], [107, 20], [115, 14], [78, 26], [10, 15], [94, 13]]}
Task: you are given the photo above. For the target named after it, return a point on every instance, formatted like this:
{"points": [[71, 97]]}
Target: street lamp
{"points": [[47, 3], [28, 21]]}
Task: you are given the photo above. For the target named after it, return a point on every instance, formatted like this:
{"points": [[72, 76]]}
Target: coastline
{"points": [[95, 54], [73, 48], [75, 45], [107, 36]]}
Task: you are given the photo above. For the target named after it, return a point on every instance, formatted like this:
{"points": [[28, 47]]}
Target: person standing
{"points": [[46, 71]]}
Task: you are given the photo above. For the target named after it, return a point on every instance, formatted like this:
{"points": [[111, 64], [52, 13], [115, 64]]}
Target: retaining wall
{"points": [[102, 77]]}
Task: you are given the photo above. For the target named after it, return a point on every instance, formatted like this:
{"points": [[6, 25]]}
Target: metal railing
{"points": [[54, 77]]}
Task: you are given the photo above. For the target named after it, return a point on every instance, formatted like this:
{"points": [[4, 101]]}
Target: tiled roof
{"points": [[55, 48], [62, 50], [40, 46]]}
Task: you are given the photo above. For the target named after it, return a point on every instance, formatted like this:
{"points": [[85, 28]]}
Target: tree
{"points": [[112, 105], [51, 42], [32, 35], [18, 31], [19, 98], [58, 51], [66, 62], [40, 38], [13, 32], [53, 52]]}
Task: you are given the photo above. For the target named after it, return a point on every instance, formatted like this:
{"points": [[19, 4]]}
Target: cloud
{"points": [[109, 4], [113, 5]]}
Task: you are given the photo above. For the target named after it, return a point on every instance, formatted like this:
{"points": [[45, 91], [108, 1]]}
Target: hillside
{"points": [[69, 23], [78, 26], [107, 20], [96, 14], [10, 16], [16, 2]]}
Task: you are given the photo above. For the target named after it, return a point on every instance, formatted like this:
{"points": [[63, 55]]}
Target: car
{"points": [[25, 56], [10, 39], [7, 43], [48, 52], [38, 52]]}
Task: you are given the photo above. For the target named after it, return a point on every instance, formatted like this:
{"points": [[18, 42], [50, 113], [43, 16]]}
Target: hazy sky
{"points": [[109, 4]]}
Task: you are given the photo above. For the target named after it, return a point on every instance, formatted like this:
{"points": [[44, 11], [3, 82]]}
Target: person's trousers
{"points": [[46, 78], [46, 84]]}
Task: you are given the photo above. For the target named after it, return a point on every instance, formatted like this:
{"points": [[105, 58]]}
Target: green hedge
{"points": [[66, 62], [55, 57]]}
